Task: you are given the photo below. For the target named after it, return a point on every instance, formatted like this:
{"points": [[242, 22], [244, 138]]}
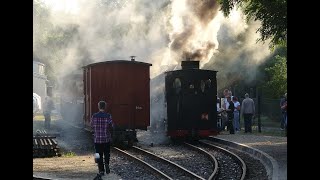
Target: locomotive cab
{"points": [[191, 101]]}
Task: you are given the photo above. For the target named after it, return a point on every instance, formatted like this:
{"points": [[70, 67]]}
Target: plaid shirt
{"points": [[101, 123]]}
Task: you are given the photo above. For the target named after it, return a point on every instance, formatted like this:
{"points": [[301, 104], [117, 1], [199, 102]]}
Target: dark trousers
{"points": [[286, 124], [104, 152], [283, 120], [47, 120], [247, 122], [230, 125]]}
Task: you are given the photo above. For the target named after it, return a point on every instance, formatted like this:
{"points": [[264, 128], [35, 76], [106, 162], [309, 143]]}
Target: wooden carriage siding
{"points": [[125, 86]]}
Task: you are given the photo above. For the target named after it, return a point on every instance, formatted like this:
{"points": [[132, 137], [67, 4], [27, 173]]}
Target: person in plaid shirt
{"points": [[102, 126]]}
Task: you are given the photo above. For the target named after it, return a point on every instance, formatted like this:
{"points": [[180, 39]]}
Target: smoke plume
{"points": [[159, 32], [239, 54], [194, 28], [74, 33]]}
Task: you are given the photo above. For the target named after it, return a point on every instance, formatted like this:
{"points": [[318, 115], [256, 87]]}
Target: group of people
{"points": [[235, 110], [247, 110]]}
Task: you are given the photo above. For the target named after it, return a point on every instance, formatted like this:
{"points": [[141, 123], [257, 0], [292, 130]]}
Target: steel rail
{"points": [[214, 174], [232, 155]]}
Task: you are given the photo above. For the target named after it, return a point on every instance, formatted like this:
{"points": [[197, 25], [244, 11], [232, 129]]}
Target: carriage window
{"points": [[202, 85], [208, 83], [41, 69], [177, 85]]}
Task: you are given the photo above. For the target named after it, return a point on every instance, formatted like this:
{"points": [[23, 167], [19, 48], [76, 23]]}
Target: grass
{"points": [[267, 122], [40, 117], [269, 127], [68, 154], [264, 132], [268, 132]]}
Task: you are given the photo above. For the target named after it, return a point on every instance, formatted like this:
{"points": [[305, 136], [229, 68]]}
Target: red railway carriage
{"points": [[125, 86]]}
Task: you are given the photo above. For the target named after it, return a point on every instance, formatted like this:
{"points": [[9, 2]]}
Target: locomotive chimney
{"points": [[190, 64], [133, 58]]}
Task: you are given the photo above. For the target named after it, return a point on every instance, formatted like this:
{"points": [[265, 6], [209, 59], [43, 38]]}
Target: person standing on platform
{"points": [[247, 111]]}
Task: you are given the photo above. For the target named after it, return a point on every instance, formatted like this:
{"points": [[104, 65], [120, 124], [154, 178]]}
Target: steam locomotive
{"points": [[190, 102]]}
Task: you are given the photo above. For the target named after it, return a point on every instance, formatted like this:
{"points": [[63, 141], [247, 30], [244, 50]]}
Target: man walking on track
{"points": [[102, 125]]}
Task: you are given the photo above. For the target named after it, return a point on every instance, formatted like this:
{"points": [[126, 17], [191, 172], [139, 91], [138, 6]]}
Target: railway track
{"points": [[225, 164], [164, 168], [211, 158], [255, 167], [230, 165]]}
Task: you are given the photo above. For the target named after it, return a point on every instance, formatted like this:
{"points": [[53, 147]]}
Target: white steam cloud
{"points": [[239, 54], [161, 32]]}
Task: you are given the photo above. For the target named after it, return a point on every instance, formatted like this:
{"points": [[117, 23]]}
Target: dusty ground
{"points": [[77, 167], [77, 151]]}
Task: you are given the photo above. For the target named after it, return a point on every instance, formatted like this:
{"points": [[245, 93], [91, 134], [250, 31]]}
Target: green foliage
{"points": [[271, 13], [50, 41], [274, 72], [277, 83]]}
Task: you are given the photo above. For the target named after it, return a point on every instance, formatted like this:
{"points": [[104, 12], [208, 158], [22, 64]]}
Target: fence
{"points": [[270, 112]]}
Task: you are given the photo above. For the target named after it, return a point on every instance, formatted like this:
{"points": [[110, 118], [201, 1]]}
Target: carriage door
{"points": [[142, 103]]}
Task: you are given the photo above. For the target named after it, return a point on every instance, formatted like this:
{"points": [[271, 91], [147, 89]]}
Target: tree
{"points": [[275, 77], [271, 13], [50, 41]]}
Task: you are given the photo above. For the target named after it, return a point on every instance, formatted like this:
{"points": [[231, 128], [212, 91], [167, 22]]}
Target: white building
{"points": [[39, 80]]}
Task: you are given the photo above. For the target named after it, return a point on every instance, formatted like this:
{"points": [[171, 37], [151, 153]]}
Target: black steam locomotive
{"points": [[190, 102]]}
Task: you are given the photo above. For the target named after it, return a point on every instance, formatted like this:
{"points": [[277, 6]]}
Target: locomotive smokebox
{"points": [[190, 64]]}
